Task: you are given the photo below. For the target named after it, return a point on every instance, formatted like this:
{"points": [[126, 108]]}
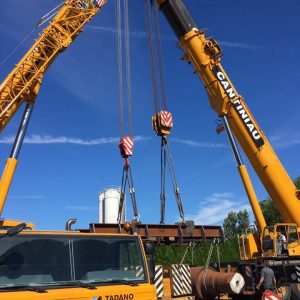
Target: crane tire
{"points": [[285, 292], [295, 291]]}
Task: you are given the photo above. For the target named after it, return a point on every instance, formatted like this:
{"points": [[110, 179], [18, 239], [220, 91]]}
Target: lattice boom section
{"points": [[23, 83]]}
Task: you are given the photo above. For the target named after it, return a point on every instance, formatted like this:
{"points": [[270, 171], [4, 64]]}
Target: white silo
{"points": [[109, 201]]}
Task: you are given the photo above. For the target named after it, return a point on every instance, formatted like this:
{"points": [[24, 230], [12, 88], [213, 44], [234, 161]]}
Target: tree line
{"points": [[237, 222]]}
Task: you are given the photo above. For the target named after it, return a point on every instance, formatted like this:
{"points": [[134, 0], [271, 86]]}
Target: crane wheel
{"points": [[284, 292], [295, 291]]}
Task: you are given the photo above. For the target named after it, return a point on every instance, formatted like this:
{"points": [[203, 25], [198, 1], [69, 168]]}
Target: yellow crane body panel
{"points": [[73, 265], [225, 100]]}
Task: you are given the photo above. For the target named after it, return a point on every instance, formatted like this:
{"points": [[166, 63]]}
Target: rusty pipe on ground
{"points": [[212, 283]]}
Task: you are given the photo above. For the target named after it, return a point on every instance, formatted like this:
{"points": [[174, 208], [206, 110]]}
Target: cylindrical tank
{"points": [[109, 201]]}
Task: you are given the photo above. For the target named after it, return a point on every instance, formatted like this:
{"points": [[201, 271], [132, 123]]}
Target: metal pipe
{"points": [[259, 217], [12, 161], [21, 131], [210, 283], [69, 223], [232, 142]]}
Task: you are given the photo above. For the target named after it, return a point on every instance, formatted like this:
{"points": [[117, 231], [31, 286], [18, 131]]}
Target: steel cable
{"points": [[151, 47], [128, 67], [164, 100], [120, 65]]}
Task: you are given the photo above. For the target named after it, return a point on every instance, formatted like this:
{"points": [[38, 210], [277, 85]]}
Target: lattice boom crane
{"points": [[24, 81]]}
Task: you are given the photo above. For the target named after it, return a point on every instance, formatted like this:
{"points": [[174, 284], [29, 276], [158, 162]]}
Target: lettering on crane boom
{"points": [[239, 107]]}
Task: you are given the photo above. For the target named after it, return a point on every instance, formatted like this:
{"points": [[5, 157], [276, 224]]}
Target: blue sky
{"points": [[71, 153]]}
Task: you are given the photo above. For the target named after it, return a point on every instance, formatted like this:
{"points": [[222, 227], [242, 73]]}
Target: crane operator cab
{"points": [[280, 240], [47, 262]]}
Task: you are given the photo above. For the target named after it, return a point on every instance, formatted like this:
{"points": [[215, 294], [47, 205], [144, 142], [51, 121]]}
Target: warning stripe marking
{"points": [[166, 118], [181, 280], [158, 281]]}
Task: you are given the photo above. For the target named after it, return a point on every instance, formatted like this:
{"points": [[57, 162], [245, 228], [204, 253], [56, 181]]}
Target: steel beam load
{"points": [[181, 233]]}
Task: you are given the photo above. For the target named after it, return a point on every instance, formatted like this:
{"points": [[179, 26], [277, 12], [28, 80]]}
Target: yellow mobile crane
{"points": [[61, 265], [99, 263], [205, 55]]}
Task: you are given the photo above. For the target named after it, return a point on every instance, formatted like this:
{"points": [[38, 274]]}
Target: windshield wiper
{"points": [[74, 283], [85, 285], [24, 287], [14, 230], [122, 281]]}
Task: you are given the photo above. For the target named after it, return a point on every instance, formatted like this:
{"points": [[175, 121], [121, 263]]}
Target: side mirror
{"points": [[149, 250]]}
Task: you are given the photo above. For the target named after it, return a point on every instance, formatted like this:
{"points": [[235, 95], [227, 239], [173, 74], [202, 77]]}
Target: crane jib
{"points": [[239, 107]]}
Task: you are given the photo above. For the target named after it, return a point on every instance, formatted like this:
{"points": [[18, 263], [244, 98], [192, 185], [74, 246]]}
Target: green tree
{"points": [[243, 221], [270, 212], [235, 223], [229, 225]]}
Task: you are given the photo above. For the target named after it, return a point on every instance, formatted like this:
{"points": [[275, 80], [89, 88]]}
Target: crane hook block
{"points": [[162, 123], [126, 146]]}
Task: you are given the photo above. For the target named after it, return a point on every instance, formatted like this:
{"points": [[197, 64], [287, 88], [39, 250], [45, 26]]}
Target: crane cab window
{"points": [[267, 239], [292, 238], [46, 260], [108, 259]]}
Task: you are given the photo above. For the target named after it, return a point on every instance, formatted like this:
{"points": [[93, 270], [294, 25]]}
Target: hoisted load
{"points": [[126, 144], [162, 121]]}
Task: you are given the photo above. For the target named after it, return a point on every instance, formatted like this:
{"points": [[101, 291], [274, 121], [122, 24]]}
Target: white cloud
{"points": [[241, 45], [134, 34], [196, 144], [143, 34], [283, 141], [48, 139], [215, 208]]}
